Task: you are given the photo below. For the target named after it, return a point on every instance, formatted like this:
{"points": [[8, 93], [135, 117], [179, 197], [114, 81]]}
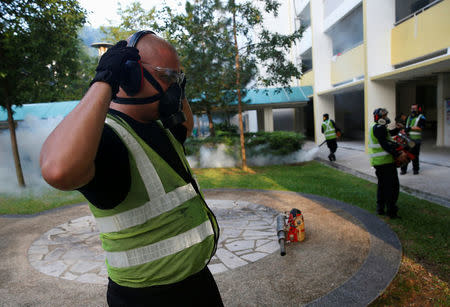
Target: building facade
{"points": [[359, 55]]}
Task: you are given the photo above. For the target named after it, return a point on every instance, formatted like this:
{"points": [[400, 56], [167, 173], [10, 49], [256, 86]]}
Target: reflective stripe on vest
{"points": [[413, 122], [153, 184], [329, 130], [133, 237], [160, 249], [377, 155], [149, 210]]}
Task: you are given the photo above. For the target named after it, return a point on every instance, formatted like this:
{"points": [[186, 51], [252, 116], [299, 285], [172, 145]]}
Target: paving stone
{"points": [[52, 268], [92, 279], [229, 259], [254, 256], [255, 233], [240, 245], [261, 242], [270, 247], [84, 266], [245, 251], [38, 249], [69, 276], [55, 254], [217, 268]]}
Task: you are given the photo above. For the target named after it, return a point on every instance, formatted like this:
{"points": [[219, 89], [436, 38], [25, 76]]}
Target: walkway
{"points": [[433, 182], [348, 258]]}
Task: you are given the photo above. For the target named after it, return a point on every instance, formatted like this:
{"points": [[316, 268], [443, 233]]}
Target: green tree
{"points": [[39, 49], [202, 38], [268, 50], [133, 18]]}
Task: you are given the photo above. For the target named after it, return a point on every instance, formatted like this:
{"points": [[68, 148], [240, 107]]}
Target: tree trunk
{"points": [[212, 132], [238, 87], [15, 150]]}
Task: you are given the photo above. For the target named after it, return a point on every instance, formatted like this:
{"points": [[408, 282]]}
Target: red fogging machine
{"points": [[404, 143], [292, 230]]}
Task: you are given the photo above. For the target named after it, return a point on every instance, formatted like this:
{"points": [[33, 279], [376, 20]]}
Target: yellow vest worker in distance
{"points": [[122, 148], [331, 133], [382, 152], [415, 123]]}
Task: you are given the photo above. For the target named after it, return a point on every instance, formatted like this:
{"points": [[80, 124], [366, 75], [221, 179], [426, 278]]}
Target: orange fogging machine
{"points": [[290, 228]]}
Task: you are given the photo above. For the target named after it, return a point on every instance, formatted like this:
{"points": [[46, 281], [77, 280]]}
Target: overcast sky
{"points": [[100, 11]]}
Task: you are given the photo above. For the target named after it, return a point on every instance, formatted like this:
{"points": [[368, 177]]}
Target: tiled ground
{"points": [[73, 250]]}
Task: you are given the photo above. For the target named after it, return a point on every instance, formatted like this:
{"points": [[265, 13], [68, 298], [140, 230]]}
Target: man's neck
{"points": [[140, 113]]}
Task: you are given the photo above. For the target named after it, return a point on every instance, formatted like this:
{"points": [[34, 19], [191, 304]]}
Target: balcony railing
{"points": [[422, 35], [348, 66]]}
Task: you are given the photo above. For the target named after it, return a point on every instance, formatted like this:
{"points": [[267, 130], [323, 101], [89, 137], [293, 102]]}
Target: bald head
{"points": [[156, 51]]}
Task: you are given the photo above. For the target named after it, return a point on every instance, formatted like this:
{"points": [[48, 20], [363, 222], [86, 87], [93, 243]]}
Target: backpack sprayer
{"points": [[291, 231], [404, 143]]}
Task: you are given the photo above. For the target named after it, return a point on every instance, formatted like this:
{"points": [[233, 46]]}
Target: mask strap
{"points": [[144, 100], [152, 81]]}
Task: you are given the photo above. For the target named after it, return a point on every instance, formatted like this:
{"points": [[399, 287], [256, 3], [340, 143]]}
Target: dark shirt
{"points": [[112, 178], [379, 131]]}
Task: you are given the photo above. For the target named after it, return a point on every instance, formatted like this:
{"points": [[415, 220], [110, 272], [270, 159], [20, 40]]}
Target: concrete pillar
{"points": [[322, 52], [379, 94], [378, 19], [268, 119], [260, 119], [324, 105], [443, 110], [299, 120]]}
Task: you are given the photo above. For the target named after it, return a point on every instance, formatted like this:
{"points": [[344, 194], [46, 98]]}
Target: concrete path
{"points": [[432, 183], [348, 258]]}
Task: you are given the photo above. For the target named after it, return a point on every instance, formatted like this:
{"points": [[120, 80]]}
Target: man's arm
{"points": [[67, 156]]}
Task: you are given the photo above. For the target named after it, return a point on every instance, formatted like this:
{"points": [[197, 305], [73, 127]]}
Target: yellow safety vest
{"points": [[377, 154], [163, 231]]}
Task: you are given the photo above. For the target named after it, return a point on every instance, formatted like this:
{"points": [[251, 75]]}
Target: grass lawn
{"points": [[34, 202], [423, 230]]}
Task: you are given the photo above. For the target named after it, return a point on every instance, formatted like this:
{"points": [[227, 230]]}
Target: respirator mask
{"points": [[170, 101]]}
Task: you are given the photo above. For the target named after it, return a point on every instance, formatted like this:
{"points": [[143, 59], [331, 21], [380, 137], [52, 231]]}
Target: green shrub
{"points": [[277, 143]]}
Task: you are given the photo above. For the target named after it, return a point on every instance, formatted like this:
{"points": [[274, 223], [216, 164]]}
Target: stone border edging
{"points": [[439, 200], [379, 268]]}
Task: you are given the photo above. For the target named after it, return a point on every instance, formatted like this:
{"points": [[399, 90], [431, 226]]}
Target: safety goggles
{"points": [[168, 75]]}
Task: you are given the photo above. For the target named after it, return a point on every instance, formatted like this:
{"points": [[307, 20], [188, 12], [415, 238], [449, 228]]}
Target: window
{"points": [[306, 60], [305, 17], [348, 32]]}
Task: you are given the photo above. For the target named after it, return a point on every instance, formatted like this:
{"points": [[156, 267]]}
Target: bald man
{"points": [[121, 147]]}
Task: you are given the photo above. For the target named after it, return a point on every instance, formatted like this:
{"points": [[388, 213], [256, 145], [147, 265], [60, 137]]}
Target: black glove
{"points": [[111, 63]]}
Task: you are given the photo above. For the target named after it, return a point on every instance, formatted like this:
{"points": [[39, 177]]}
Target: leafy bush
{"points": [[278, 143]]}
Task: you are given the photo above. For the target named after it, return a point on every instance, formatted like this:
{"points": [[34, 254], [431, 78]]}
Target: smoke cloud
{"points": [[218, 157], [31, 134]]}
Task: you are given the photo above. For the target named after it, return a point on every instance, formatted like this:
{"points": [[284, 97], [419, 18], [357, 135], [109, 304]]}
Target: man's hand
{"points": [[110, 64], [403, 158]]}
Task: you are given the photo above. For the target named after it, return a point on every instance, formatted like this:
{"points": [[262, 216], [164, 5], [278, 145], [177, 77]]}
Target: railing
{"points": [[417, 12]]}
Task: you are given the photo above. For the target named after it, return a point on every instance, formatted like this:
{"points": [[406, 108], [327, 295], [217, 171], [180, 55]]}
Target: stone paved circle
{"points": [[73, 250]]}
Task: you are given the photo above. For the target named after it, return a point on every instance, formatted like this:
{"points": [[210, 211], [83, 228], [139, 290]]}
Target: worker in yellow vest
{"points": [[331, 133], [122, 148], [415, 123], [382, 152]]}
